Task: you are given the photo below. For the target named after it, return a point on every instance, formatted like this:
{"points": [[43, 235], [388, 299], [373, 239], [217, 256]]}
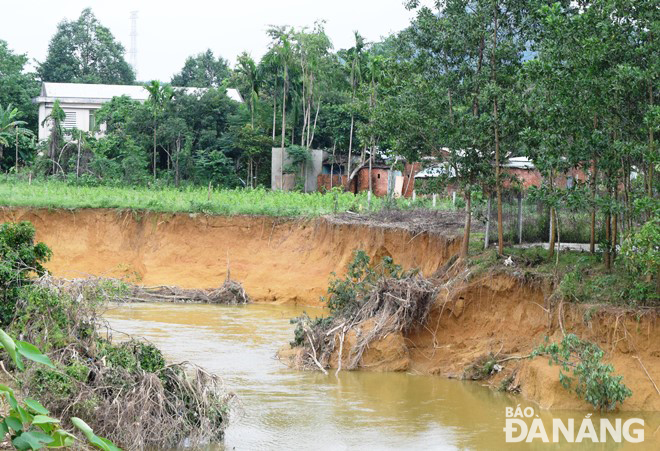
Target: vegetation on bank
{"points": [[376, 299], [51, 193], [125, 391]]}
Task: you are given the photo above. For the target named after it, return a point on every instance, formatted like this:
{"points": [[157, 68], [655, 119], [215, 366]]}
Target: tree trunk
{"points": [[154, 151], [551, 244], [608, 235], [592, 239], [615, 218], [498, 188], [551, 239], [350, 144], [465, 247], [16, 161], [78, 157], [332, 166], [371, 158], [651, 147], [286, 79], [274, 108], [176, 163]]}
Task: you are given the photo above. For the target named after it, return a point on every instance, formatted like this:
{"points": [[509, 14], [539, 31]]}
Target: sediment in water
{"points": [[289, 261]]}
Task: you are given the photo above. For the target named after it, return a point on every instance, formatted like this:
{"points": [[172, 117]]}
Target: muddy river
{"points": [[285, 409]]}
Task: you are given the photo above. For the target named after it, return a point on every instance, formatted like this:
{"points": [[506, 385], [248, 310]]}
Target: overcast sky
{"points": [[168, 34]]}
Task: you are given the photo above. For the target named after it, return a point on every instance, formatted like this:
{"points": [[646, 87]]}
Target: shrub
{"points": [[591, 379], [20, 259]]}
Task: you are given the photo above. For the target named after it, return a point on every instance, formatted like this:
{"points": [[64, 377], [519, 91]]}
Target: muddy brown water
{"points": [[285, 409]]}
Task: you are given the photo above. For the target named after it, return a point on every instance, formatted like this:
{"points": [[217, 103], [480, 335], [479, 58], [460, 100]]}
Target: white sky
{"points": [[168, 31]]}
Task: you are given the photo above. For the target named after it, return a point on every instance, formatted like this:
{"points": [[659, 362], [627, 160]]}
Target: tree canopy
{"points": [[84, 51]]}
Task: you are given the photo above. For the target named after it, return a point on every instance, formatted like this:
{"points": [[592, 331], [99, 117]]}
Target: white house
{"points": [[81, 101]]}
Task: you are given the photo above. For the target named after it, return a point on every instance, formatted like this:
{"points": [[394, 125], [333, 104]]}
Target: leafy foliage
{"points": [[345, 294], [20, 259], [28, 423], [84, 51], [591, 379]]}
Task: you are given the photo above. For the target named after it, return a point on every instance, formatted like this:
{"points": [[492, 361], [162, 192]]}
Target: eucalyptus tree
{"points": [[447, 49], [159, 96], [313, 49], [355, 63]]}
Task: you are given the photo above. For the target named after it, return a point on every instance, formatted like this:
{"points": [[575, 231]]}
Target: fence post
{"points": [[414, 196], [434, 196], [486, 235], [453, 198], [520, 217]]}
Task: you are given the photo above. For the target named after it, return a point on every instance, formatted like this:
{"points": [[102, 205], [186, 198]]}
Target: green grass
{"points": [[581, 276], [192, 199]]}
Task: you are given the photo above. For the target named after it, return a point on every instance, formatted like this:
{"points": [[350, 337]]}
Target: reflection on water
{"points": [[286, 409]]}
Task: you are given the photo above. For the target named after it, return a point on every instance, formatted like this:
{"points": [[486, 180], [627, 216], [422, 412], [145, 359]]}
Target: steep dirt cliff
{"points": [[276, 259], [502, 316]]}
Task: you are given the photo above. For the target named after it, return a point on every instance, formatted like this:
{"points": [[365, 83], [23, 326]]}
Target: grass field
{"points": [[60, 194]]}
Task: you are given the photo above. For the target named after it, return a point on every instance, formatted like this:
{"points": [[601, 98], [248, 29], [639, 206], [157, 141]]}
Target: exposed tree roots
{"points": [[393, 305]]}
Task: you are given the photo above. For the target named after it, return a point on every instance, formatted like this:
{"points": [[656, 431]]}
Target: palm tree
{"points": [[249, 80], [159, 96], [284, 52], [56, 116], [11, 128]]}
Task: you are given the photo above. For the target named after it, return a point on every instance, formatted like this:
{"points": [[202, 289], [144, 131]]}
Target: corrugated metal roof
{"points": [[98, 91], [519, 163]]}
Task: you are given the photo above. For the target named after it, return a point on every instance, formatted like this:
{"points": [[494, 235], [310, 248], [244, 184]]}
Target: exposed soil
{"points": [[275, 259], [289, 261], [505, 317]]}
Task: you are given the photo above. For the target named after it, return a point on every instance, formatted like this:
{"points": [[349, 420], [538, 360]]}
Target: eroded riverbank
{"points": [[284, 409]]}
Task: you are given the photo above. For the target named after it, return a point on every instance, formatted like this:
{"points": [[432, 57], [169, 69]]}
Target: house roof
{"points": [[98, 93], [519, 163]]}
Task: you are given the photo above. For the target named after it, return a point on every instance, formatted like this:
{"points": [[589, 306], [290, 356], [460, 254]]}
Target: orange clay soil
{"points": [[276, 259], [282, 260], [500, 315]]}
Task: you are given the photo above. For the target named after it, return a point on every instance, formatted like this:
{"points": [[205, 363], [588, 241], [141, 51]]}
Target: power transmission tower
{"points": [[133, 51]]}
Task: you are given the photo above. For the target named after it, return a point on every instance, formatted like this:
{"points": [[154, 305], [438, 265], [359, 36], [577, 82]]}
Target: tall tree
{"points": [[247, 79], [203, 70], [282, 48], [17, 86], [159, 96], [355, 62], [84, 51]]}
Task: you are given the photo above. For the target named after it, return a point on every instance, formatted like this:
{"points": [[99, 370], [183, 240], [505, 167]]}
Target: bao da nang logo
{"points": [[523, 425]]}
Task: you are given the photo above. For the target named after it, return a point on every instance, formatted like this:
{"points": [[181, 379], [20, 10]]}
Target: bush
{"points": [[361, 278], [20, 259], [591, 379]]}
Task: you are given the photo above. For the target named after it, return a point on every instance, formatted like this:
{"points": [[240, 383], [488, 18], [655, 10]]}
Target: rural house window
{"points": [[92, 120], [70, 120]]}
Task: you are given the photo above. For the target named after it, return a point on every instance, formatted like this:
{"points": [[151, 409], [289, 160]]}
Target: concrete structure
{"points": [[311, 172], [81, 101]]}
